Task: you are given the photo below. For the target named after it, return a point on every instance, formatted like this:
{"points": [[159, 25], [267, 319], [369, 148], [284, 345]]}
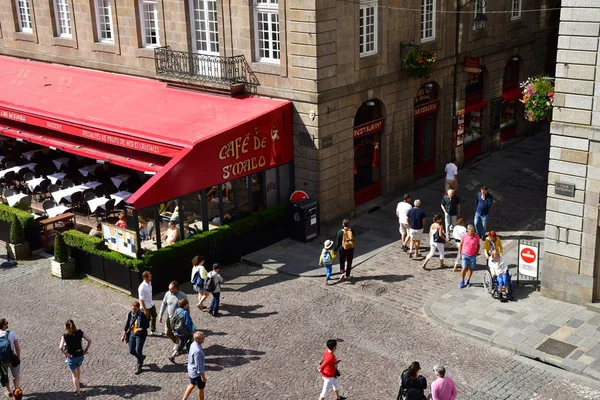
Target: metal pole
{"points": [[518, 249]]}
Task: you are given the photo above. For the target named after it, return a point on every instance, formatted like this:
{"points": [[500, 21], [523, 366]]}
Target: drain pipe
{"points": [[456, 54]]}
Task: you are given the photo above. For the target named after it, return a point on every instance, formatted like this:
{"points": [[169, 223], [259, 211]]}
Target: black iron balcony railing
{"points": [[171, 64]]}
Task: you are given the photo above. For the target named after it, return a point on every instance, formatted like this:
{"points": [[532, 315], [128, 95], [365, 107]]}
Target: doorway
{"points": [[425, 130], [368, 129]]}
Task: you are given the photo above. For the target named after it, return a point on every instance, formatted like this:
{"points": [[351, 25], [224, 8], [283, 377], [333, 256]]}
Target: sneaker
{"points": [[341, 278], [461, 285], [174, 347], [138, 370], [342, 398], [404, 248], [468, 284], [172, 359], [154, 333]]}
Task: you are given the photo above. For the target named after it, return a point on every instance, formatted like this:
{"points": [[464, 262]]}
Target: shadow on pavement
{"points": [[124, 392], [235, 310], [382, 278], [178, 367], [220, 357]]}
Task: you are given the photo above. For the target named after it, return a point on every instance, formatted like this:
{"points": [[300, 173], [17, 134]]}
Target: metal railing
{"points": [[203, 68]]}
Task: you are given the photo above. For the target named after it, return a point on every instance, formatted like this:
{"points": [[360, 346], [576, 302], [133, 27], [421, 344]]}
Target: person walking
{"points": [[437, 239], [135, 334], [451, 175], [491, 243], [401, 209], [169, 304], [416, 220], [10, 357], [344, 246], [443, 388], [326, 259], [71, 346], [145, 298], [183, 327], [217, 280], [329, 371], [195, 367], [468, 251], [451, 208], [413, 384], [459, 230], [199, 274], [483, 203]]}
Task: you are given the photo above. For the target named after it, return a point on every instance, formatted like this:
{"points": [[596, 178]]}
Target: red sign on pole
{"points": [[472, 64], [528, 255]]}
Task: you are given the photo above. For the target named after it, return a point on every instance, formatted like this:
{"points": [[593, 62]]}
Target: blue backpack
{"points": [[327, 257], [6, 353], [197, 279]]}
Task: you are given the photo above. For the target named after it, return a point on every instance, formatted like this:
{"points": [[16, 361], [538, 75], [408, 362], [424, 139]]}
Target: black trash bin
{"points": [[304, 220]]}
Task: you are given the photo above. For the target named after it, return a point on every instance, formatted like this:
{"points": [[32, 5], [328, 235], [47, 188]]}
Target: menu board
{"points": [[122, 240], [496, 114]]}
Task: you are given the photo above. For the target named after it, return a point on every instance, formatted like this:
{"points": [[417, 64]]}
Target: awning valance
{"points": [[475, 107], [512, 95]]}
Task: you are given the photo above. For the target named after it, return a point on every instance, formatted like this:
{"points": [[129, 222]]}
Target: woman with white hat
{"points": [[326, 259]]}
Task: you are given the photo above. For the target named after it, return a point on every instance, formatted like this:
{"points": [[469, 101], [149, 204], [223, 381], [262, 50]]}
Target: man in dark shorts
{"points": [[196, 367]]}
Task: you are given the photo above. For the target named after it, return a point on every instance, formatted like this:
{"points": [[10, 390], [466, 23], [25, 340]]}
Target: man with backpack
{"points": [[344, 246], [10, 357], [169, 304], [212, 285], [183, 327]]}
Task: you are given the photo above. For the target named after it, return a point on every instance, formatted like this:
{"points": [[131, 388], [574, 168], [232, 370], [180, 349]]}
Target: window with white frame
{"points": [[24, 16], [206, 30], [266, 30], [515, 12], [367, 28], [149, 23], [427, 20], [62, 13], [104, 23]]}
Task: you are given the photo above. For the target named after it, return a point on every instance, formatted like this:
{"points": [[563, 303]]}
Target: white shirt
{"points": [[145, 293], [458, 231], [451, 171], [402, 208], [12, 336], [496, 267]]}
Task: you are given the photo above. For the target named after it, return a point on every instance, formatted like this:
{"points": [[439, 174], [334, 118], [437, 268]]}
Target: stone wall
{"points": [[570, 267]]}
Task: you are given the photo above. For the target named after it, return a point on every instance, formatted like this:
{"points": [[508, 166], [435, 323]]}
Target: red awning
{"points": [[475, 107], [513, 94], [84, 147]]}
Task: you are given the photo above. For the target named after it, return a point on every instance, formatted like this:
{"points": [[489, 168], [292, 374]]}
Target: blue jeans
{"points": [[481, 225], [327, 271], [214, 304], [136, 347]]}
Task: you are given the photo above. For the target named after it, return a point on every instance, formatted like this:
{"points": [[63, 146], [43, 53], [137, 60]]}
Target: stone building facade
{"points": [[571, 267], [338, 61]]}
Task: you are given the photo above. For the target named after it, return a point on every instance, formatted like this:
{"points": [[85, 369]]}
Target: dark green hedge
{"points": [[61, 254], [20, 221], [95, 245]]}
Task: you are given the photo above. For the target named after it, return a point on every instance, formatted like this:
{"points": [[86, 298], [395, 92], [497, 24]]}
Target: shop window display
{"points": [[473, 126]]}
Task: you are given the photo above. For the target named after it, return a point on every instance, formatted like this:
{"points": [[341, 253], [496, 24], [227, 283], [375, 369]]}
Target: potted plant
{"points": [[18, 248], [419, 63], [62, 266], [538, 97]]}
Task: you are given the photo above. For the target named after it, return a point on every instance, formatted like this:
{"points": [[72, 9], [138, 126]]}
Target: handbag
{"points": [[337, 373]]}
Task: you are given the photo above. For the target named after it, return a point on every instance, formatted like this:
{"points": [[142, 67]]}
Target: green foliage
{"points": [[61, 253], [20, 221], [419, 63], [95, 245], [538, 97]]}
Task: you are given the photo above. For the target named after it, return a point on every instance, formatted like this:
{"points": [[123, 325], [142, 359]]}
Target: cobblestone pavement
{"points": [[270, 338]]}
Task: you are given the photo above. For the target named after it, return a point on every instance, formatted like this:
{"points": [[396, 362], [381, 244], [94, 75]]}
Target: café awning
{"points": [[513, 94], [193, 140]]}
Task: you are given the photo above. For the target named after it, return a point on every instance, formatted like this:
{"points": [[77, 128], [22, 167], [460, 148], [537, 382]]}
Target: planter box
{"points": [[64, 270], [19, 251]]}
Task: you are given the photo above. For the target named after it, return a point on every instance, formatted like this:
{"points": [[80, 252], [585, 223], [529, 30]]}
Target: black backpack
{"points": [[210, 284]]}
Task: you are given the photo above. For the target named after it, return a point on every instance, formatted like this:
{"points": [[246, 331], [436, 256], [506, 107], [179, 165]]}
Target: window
{"points": [[515, 12], [63, 18], [368, 28], [206, 32], [24, 15], [428, 20], [104, 21], [149, 23], [266, 27]]}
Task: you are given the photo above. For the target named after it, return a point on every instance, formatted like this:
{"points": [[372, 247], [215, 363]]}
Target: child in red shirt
{"points": [[328, 370]]}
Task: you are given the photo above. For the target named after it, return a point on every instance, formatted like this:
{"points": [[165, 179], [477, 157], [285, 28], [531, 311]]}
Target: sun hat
{"points": [[328, 244]]}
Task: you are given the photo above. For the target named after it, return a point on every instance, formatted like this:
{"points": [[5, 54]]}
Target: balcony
{"points": [[214, 73]]}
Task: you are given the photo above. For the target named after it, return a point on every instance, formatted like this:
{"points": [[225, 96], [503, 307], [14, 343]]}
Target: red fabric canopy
{"points": [[513, 94], [475, 107]]}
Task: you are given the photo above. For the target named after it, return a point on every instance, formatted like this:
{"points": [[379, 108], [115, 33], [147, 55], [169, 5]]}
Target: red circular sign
{"points": [[298, 195], [528, 255]]}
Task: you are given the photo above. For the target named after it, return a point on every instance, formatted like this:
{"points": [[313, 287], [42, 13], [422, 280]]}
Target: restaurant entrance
{"points": [[425, 130], [368, 128]]}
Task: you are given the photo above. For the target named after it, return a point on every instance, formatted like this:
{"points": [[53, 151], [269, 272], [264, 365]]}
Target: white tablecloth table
{"points": [[68, 192], [117, 180], [33, 183], [15, 198], [121, 196], [59, 162], [97, 202], [85, 171], [16, 169], [54, 211], [58, 176], [90, 185]]}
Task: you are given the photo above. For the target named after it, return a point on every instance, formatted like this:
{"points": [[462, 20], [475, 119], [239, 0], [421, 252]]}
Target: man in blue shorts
{"points": [[196, 367]]}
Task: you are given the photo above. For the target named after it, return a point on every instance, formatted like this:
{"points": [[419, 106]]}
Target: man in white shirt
{"points": [[145, 298], [451, 175], [401, 210]]}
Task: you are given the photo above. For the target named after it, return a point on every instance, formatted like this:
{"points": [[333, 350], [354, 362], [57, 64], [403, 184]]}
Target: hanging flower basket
{"points": [[538, 96], [419, 63]]}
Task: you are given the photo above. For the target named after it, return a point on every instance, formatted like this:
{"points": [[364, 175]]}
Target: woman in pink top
{"points": [[468, 251], [443, 388]]}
